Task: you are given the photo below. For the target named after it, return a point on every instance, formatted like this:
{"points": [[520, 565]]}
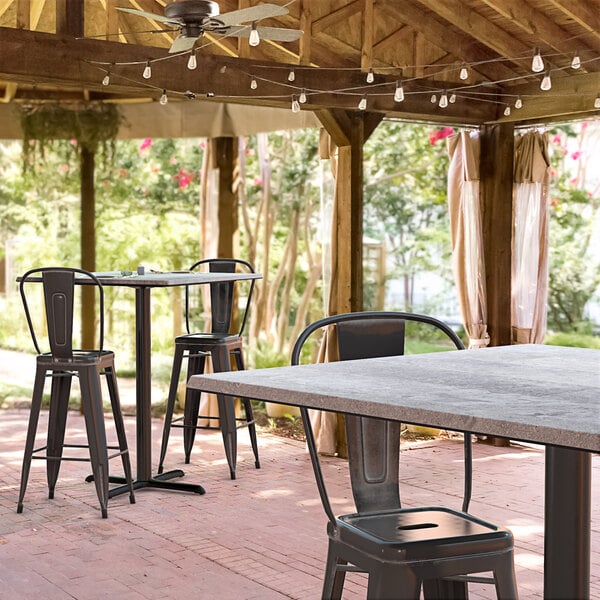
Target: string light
{"points": [[370, 76], [443, 100], [399, 93], [163, 99], [362, 105], [507, 111], [576, 62], [192, 62], [147, 71], [302, 97], [295, 105], [253, 83], [452, 98], [106, 80], [254, 39], [292, 75], [597, 101], [546, 82], [464, 72], [537, 64], [433, 98], [519, 102], [189, 95]]}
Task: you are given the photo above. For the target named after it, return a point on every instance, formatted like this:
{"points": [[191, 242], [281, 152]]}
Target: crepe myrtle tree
{"points": [[574, 263]]}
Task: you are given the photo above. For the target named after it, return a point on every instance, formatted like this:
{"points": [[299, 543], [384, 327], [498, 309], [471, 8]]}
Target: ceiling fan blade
{"points": [[149, 15], [276, 34], [182, 44], [253, 13]]}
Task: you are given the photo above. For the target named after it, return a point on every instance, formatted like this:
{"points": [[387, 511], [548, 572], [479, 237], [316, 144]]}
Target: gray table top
{"points": [[169, 279], [536, 393]]}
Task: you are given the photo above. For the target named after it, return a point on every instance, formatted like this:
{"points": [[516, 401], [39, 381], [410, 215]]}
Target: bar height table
{"points": [[543, 394], [143, 285]]}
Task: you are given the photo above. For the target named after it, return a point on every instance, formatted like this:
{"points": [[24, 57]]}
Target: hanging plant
{"points": [[93, 126]]}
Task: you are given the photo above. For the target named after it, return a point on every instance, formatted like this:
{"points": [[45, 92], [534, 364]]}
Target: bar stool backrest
{"points": [[59, 300], [373, 444], [222, 296]]}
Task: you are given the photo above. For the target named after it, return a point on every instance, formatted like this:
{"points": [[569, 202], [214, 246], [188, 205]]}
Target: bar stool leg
{"points": [[239, 361], [196, 364], [91, 398], [57, 420], [115, 402], [34, 415], [175, 371]]}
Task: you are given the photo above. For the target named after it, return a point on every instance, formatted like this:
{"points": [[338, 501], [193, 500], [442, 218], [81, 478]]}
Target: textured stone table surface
{"points": [[535, 393]]}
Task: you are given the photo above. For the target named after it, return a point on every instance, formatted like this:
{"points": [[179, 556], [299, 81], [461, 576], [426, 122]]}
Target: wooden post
{"points": [[88, 244], [225, 158], [497, 145]]}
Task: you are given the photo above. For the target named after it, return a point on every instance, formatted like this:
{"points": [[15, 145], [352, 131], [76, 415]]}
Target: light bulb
{"points": [[507, 111], [537, 64], [253, 84], [433, 99], [519, 102], [147, 71], [254, 39], [189, 95], [546, 82], [302, 97], [464, 72], [192, 61], [292, 75], [362, 105], [597, 101], [163, 99], [370, 76], [106, 80], [295, 105], [576, 62], [443, 100], [399, 93], [452, 98]]}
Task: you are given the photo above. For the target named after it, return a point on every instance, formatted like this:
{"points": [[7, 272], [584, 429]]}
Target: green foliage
{"points": [[574, 340]]}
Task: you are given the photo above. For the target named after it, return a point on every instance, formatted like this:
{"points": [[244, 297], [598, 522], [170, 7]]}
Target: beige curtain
{"points": [[530, 238], [466, 232]]}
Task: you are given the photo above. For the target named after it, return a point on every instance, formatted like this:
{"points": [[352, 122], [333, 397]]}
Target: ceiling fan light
{"points": [[192, 61], [147, 71], [254, 39]]}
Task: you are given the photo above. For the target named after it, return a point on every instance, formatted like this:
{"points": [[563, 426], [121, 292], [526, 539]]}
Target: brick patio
{"points": [[260, 537]]}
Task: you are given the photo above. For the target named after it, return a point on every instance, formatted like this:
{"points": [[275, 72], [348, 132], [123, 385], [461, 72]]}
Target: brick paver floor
{"points": [[260, 537]]}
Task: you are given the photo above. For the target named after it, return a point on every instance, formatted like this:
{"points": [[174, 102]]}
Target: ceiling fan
{"points": [[195, 17]]}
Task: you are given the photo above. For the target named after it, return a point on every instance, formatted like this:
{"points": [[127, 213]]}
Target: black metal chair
{"points": [[225, 350], [62, 362], [403, 550]]}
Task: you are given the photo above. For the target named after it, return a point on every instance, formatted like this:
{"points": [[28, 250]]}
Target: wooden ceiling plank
{"points": [[435, 32], [37, 6], [23, 14], [368, 29], [337, 16], [112, 20], [389, 40], [478, 27], [585, 12], [535, 22], [306, 26], [4, 5]]}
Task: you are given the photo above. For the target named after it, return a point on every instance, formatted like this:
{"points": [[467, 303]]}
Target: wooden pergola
{"points": [[476, 54]]}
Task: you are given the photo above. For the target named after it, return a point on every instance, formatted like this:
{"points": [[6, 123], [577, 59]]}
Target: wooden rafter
{"points": [[585, 12], [337, 16]]}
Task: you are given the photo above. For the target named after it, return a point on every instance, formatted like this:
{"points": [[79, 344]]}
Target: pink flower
{"points": [[184, 178], [147, 143], [573, 181], [557, 140], [73, 142], [554, 202], [576, 155], [202, 144], [258, 181], [63, 168], [553, 173], [440, 134]]}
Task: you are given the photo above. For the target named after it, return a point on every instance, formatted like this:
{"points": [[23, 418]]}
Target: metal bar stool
{"points": [[61, 364], [225, 350], [403, 550]]}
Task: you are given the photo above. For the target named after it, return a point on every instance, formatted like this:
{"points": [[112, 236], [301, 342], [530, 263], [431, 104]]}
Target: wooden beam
{"points": [[368, 28], [23, 14], [225, 158], [337, 16], [69, 18], [585, 12], [496, 172], [306, 26]]}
